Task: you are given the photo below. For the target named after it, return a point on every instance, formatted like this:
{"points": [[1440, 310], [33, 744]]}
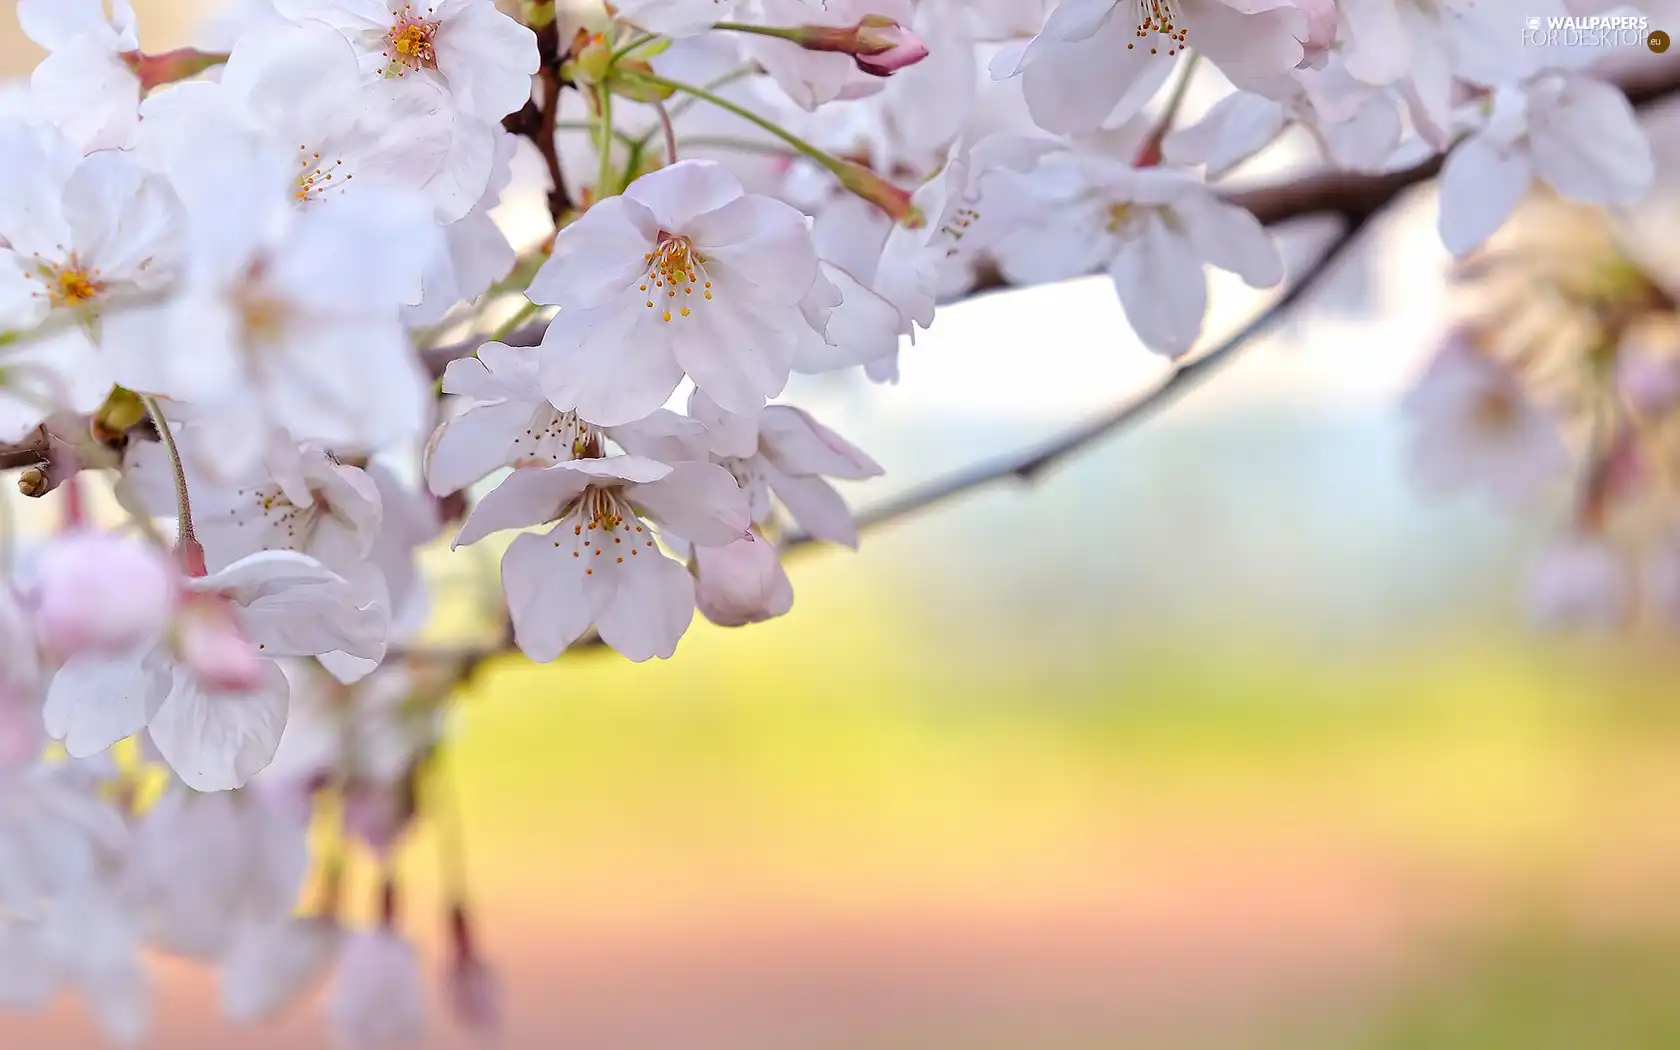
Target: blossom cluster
{"points": [[266, 293]]}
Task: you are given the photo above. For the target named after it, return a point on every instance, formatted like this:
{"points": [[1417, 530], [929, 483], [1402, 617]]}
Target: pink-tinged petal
{"points": [[547, 601], [1231, 238], [95, 701], [611, 366], [677, 194], [473, 445], [633, 470], [528, 496], [863, 328], [268, 967], [313, 621], [497, 372], [1249, 48], [1162, 288], [488, 59], [650, 609], [799, 445], [730, 434], [816, 507], [701, 502], [598, 257], [1074, 20], [1481, 185], [263, 573], [216, 741]]}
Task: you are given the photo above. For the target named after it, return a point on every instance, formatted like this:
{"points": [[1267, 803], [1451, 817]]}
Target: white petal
{"points": [[219, 741], [1481, 186], [528, 496], [651, 609], [94, 702], [1162, 288], [701, 502]]}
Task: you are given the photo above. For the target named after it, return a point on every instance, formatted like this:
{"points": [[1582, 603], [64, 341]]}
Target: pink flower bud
{"points": [[742, 583], [98, 592], [211, 645], [879, 192], [878, 44], [171, 66]]}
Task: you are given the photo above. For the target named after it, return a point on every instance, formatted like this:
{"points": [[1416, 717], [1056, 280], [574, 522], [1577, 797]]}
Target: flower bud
{"points": [[878, 44], [742, 583], [377, 813], [878, 191], [98, 592], [171, 66], [475, 993]]}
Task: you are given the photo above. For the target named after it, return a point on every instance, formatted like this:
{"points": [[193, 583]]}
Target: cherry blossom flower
{"points": [[812, 77], [1576, 134], [76, 236], [684, 274], [1473, 426], [508, 422], [1078, 69], [1155, 229], [84, 86], [285, 329], [484, 58], [599, 566], [209, 695]]}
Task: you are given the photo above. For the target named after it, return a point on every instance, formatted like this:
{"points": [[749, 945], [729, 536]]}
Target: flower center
{"points": [[262, 313], [555, 437], [674, 267], [70, 284], [316, 176], [1159, 19], [409, 43], [608, 528], [1117, 216]]}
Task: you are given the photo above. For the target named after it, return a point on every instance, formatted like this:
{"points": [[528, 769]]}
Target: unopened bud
{"points": [[878, 44], [171, 66], [211, 645], [878, 191], [34, 482]]}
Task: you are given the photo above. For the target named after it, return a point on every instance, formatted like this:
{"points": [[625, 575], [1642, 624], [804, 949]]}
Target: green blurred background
{"points": [[1217, 738]]}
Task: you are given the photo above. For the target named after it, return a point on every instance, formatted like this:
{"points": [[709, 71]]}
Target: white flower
{"points": [[1473, 425], [84, 85], [372, 732], [1580, 581], [1078, 69], [508, 422], [377, 999], [484, 58], [98, 592], [286, 329], [684, 273], [1578, 135], [209, 865], [865, 328], [781, 453], [1155, 229], [1428, 48], [476, 252], [1356, 125], [210, 698], [76, 236], [600, 565]]}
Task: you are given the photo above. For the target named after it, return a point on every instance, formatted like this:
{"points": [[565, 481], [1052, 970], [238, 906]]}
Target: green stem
{"points": [[183, 501], [603, 143], [636, 42], [829, 162], [742, 27]]}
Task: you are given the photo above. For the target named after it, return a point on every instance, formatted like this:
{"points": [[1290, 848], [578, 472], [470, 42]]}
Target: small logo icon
{"points": [[1534, 23], [1657, 41]]}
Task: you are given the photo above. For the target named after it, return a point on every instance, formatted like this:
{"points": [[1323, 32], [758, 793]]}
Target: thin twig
{"points": [[670, 132], [183, 499]]}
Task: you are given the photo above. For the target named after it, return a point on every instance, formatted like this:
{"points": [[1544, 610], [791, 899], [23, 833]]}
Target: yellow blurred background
{"points": [[1216, 739]]}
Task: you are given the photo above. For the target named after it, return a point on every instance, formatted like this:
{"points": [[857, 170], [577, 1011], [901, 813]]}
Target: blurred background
{"points": [[1217, 737]]}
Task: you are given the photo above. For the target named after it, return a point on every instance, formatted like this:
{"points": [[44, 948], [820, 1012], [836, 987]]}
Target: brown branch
{"points": [[1030, 464]]}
